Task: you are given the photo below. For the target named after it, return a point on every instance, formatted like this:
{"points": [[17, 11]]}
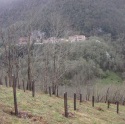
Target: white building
{"points": [[77, 38], [37, 36]]}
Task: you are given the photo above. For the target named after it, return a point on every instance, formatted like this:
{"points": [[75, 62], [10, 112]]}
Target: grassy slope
{"points": [[112, 78], [51, 109]]}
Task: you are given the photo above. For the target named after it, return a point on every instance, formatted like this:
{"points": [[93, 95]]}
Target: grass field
{"points": [[112, 78], [49, 110]]}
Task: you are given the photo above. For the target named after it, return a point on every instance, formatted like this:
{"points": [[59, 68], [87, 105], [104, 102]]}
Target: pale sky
{"points": [[6, 1]]}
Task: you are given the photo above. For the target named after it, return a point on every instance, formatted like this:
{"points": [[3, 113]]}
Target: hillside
{"points": [[41, 42], [49, 110], [90, 17]]}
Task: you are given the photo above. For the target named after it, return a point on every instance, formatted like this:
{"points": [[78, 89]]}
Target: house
{"points": [[77, 38], [22, 40], [51, 40], [62, 40], [37, 36]]}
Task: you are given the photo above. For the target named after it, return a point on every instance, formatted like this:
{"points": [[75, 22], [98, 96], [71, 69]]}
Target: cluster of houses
{"points": [[38, 37]]}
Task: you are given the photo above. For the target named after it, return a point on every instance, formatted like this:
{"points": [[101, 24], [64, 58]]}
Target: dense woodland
{"points": [[90, 17], [101, 56]]}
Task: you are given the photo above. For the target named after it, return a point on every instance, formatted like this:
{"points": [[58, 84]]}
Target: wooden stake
{"points": [[117, 107], [57, 94], [93, 101], [14, 94], [65, 105], [108, 104], [27, 87], [74, 101], [50, 91], [80, 98], [33, 88], [6, 81], [23, 85]]}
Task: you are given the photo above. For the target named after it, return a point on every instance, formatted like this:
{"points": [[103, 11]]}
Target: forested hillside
{"points": [[62, 18], [90, 17], [98, 58], [62, 47]]}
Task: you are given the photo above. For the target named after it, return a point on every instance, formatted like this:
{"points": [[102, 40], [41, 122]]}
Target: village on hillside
{"points": [[38, 37]]}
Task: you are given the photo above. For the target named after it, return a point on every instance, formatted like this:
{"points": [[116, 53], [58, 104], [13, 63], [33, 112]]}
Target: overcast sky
{"points": [[7, 1]]}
